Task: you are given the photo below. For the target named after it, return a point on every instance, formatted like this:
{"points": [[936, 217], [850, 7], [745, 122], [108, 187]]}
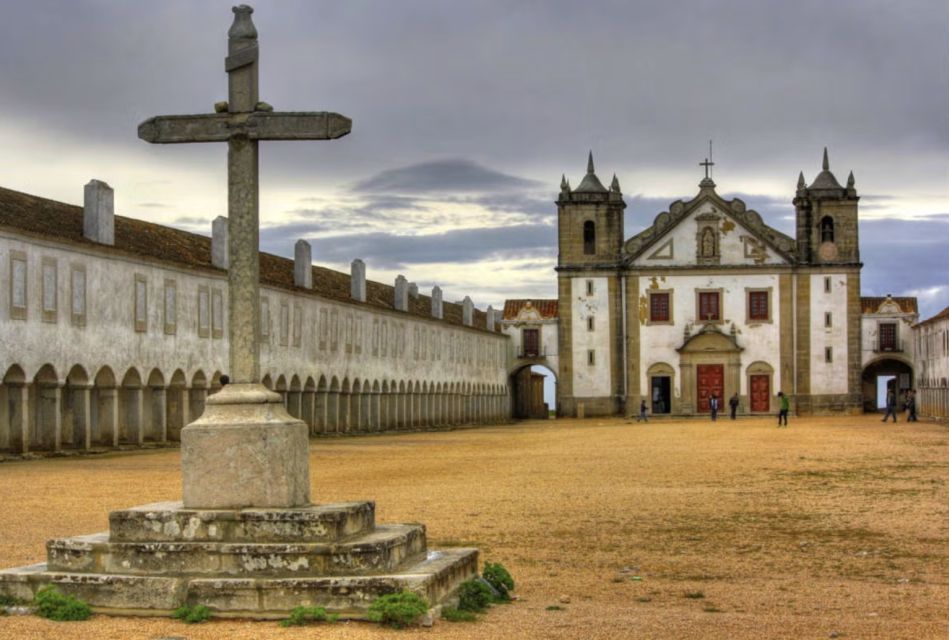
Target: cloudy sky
{"points": [[466, 114]]}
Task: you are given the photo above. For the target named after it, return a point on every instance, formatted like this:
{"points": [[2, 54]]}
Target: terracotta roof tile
{"points": [[63, 222], [870, 304], [546, 308]]}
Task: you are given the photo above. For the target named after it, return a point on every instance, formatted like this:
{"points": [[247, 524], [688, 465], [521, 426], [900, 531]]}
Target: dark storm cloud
{"points": [[391, 251], [452, 176], [641, 83]]}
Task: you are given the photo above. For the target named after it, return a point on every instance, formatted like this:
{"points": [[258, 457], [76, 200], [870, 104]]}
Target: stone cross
{"points": [[242, 122]]}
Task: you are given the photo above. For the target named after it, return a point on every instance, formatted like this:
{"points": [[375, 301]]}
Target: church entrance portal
{"points": [[760, 393], [661, 394], [710, 379]]}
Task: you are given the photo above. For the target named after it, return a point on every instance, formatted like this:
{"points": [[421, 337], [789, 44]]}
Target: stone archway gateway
{"points": [[255, 546], [897, 370], [709, 362]]}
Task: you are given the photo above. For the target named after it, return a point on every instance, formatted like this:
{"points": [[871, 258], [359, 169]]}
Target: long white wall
{"points": [[308, 336]]}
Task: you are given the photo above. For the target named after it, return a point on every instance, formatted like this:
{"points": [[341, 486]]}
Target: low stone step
{"points": [[170, 522], [436, 577], [383, 550]]}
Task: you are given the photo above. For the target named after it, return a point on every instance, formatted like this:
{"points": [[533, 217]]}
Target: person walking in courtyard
{"points": [[713, 406], [911, 406], [784, 408], [733, 404], [890, 406], [642, 412]]}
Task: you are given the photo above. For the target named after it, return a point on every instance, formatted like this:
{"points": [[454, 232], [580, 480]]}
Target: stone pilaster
{"points": [[802, 347]]}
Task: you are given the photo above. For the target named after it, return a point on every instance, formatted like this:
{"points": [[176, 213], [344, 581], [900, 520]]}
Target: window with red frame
{"points": [[758, 305], [659, 307], [710, 308]]}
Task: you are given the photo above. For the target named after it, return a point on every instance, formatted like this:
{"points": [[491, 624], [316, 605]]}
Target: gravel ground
{"points": [[835, 527]]}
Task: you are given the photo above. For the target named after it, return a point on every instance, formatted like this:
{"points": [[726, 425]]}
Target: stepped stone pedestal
{"points": [[255, 562]]}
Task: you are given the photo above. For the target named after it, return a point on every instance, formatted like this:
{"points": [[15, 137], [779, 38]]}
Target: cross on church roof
{"points": [[708, 163]]}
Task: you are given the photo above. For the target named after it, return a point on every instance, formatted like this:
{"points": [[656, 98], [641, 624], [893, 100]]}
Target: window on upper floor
{"points": [[887, 335], [50, 289], [827, 284], [530, 342], [78, 295], [589, 287], [759, 307], [590, 323], [660, 306], [18, 285], [140, 303], [828, 319], [591, 357], [589, 238], [710, 306]]}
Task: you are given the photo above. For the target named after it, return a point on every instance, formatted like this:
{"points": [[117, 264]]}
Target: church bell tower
{"points": [[827, 219], [590, 221]]}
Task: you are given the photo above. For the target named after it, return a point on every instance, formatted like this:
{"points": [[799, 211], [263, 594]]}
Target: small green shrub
{"points": [[9, 601], [474, 595], [693, 595], [555, 607], [398, 610], [451, 614], [301, 616], [499, 578], [53, 604], [194, 614]]}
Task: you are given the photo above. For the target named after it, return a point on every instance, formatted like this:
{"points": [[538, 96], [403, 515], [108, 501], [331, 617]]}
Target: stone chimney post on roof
{"points": [[413, 290], [401, 302], [467, 312], [490, 318], [98, 215], [357, 280], [303, 264], [219, 256], [437, 309]]}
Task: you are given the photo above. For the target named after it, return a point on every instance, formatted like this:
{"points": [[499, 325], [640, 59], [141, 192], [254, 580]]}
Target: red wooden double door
{"points": [[711, 379]]}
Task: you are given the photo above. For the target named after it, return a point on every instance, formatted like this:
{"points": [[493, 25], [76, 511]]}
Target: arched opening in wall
{"points": [[175, 405], [105, 409], [376, 413], [826, 229], [14, 410], [131, 408], [77, 411], [534, 392], [280, 386], [155, 405], [882, 376], [295, 398], [197, 395], [589, 238], [660, 378], [215, 385], [308, 400], [355, 406], [332, 407], [267, 381], [44, 403], [320, 406]]}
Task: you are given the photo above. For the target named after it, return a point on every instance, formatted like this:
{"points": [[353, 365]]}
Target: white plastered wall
{"points": [[594, 380], [829, 377]]}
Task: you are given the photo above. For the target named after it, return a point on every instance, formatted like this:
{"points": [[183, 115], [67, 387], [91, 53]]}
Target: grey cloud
{"points": [[390, 251], [452, 175]]}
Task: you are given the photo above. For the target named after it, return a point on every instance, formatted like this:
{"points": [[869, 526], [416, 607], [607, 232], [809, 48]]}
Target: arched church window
{"points": [[827, 229], [589, 237]]}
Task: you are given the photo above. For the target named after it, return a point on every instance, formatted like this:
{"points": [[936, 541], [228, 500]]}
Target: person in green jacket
{"points": [[785, 407]]}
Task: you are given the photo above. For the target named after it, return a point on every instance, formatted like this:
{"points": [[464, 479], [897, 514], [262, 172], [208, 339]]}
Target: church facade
{"points": [[708, 301]]}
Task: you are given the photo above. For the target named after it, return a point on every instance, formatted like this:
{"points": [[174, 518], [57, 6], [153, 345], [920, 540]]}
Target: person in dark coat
{"points": [[733, 404], [713, 406], [890, 406]]}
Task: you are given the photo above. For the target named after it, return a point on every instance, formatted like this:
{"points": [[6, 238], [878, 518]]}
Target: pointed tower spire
{"points": [[826, 161], [590, 163], [801, 185], [614, 186], [563, 181], [850, 181]]}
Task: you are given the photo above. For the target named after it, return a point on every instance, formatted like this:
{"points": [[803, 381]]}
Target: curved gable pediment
{"points": [[709, 340]]}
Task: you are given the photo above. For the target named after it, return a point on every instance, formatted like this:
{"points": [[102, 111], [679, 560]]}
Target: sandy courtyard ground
{"points": [[831, 528]]}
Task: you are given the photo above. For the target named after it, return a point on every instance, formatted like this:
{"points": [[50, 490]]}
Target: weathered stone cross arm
{"points": [[254, 125]]}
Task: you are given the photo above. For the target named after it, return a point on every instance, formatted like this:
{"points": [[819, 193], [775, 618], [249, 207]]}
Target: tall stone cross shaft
{"points": [[245, 450], [246, 122]]}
